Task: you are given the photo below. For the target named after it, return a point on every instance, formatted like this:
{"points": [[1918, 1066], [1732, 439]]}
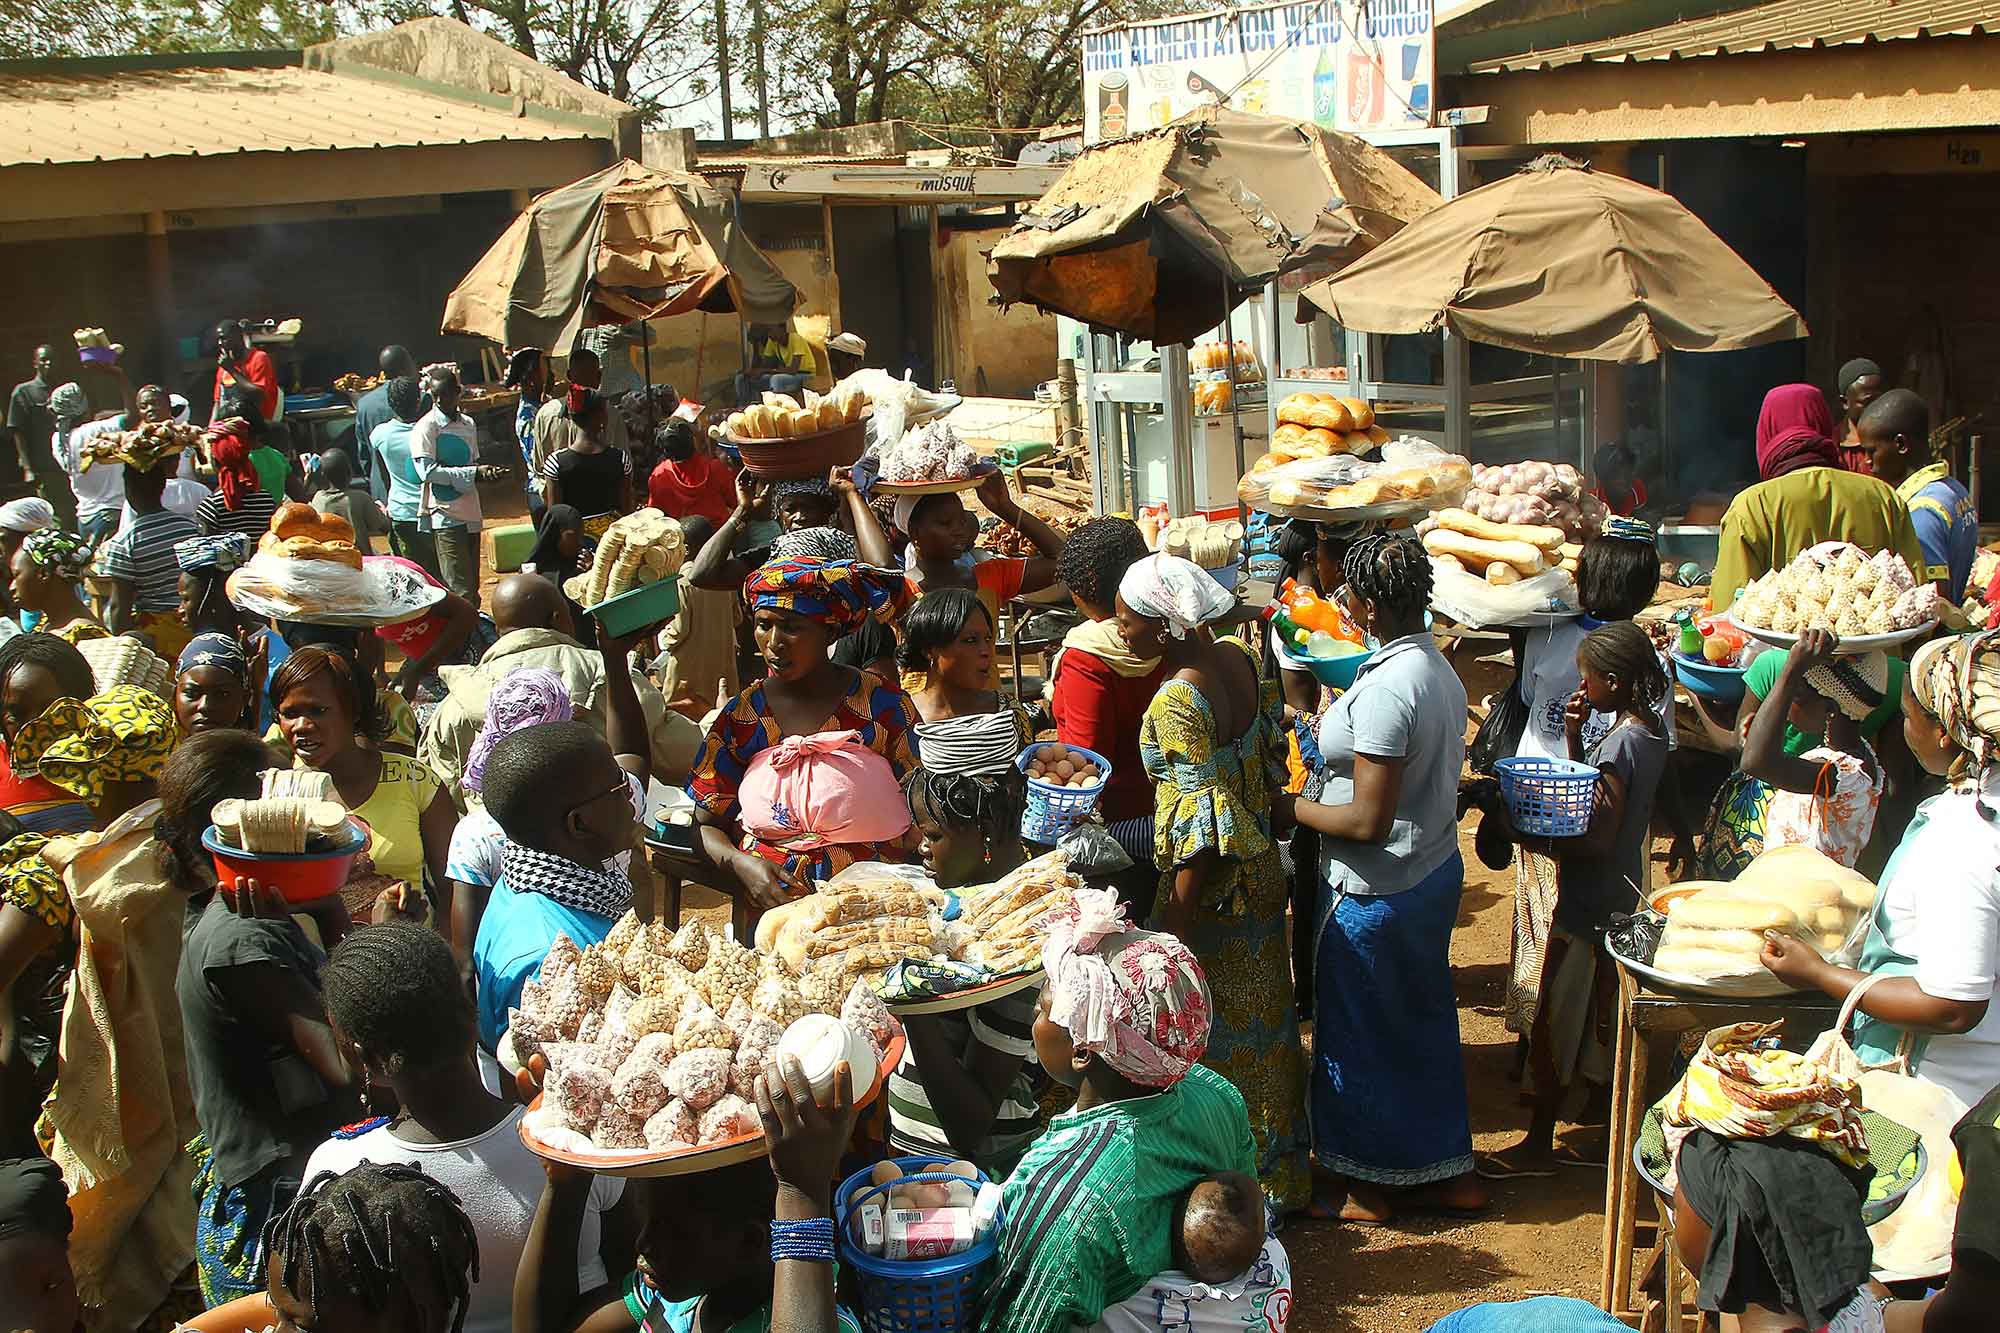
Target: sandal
{"points": [[1493, 1166]]}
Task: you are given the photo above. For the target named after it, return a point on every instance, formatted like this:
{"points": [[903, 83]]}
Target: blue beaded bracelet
{"points": [[809, 1239]]}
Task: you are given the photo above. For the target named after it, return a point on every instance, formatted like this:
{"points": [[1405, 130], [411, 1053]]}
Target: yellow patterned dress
{"points": [[1216, 796]]}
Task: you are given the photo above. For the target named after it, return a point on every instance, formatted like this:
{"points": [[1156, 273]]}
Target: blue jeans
{"points": [[99, 528], [752, 383]]}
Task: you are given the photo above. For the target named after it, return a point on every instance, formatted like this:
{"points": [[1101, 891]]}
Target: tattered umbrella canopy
{"points": [[1565, 261], [627, 243], [1144, 235]]}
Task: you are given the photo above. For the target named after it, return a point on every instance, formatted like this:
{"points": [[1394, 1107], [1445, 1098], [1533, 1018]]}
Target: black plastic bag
{"points": [[1499, 734]]}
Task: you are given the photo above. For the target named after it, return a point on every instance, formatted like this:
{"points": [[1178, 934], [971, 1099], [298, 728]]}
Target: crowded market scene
{"points": [[1339, 694]]}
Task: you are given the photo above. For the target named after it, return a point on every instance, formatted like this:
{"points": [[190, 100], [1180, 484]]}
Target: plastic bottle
{"points": [[1690, 644], [1322, 644]]}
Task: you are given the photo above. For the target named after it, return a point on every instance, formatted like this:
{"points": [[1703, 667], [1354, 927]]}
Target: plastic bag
{"points": [[383, 591], [1817, 900], [1412, 473], [1499, 734], [1092, 850], [1539, 599], [899, 403]]}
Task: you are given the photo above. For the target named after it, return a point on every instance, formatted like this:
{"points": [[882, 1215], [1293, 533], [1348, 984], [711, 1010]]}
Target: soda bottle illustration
{"points": [[1364, 89], [1326, 88]]}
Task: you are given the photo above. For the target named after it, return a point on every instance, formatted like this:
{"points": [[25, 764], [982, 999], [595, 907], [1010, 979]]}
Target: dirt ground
{"points": [[1539, 1237]]}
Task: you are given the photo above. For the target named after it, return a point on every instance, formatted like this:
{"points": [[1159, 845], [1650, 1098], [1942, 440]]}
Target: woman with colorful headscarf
{"points": [[1804, 497], [46, 571], [1212, 741], [1936, 928], [121, 1111], [205, 564], [212, 685], [808, 706], [1124, 1021]]}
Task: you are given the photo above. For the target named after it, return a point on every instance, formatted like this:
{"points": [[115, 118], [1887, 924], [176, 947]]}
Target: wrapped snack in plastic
{"points": [[777, 998], [640, 1085], [618, 1129], [672, 1126], [563, 957], [730, 1117], [864, 1009], [702, 1026], [530, 1035], [698, 1077], [690, 946]]}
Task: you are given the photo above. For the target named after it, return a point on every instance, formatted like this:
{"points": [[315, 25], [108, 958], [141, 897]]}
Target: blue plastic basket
{"points": [[913, 1295], [1052, 810], [1550, 798]]}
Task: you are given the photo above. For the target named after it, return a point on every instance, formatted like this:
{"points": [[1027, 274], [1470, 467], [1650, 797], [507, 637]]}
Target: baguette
{"points": [[1525, 557], [1460, 520]]}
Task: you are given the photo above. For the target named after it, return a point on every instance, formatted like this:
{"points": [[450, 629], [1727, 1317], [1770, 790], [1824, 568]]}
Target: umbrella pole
{"points": [[1235, 409]]}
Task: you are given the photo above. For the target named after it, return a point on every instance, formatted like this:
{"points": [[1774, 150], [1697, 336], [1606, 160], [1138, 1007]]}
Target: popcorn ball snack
{"points": [[672, 1126], [699, 1077]]}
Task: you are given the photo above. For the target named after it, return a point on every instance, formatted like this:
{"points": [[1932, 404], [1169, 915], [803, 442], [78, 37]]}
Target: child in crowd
{"points": [[342, 495], [1566, 1014], [1227, 1273], [402, 1015], [382, 1247], [1827, 797], [742, 1247], [1124, 1021]]}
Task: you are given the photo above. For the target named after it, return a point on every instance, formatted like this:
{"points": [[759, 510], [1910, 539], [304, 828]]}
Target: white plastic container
{"points": [[819, 1042]]}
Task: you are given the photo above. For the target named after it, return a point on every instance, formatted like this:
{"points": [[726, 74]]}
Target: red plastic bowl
{"points": [[299, 877]]}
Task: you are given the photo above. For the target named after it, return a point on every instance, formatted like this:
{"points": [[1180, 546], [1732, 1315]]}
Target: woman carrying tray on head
{"points": [[808, 705], [962, 1088], [1212, 741]]}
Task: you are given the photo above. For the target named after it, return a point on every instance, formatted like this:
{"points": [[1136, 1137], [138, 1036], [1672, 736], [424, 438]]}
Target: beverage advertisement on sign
{"points": [[1353, 65]]}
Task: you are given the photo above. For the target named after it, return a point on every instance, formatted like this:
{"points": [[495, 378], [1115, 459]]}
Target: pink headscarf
{"points": [[1794, 430], [1134, 998]]}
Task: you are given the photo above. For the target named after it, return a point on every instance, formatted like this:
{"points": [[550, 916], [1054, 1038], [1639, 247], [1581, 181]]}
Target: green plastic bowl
{"points": [[654, 604]]}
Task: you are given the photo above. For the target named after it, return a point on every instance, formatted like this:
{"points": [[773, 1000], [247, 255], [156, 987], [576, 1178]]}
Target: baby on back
{"points": [[1227, 1274]]}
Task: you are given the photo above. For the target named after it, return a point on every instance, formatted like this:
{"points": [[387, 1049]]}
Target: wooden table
{"points": [[676, 868], [1644, 1012]]}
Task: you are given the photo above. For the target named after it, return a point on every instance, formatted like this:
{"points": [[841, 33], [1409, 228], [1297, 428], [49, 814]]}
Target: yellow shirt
{"points": [[1774, 520], [795, 352]]}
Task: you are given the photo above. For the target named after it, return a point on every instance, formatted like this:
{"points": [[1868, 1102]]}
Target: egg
{"points": [[885, 1172], [961, 1168], [925, 1194], [1035, 770], [1065, 770], [1048, 754], [1078, 781]]}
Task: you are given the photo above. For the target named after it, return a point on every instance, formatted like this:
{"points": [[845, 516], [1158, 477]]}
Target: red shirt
{"points": [[701, 486], [1100, 710], [257, 368]]}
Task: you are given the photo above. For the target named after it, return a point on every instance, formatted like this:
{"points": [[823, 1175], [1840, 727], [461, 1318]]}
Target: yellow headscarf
{"points": [[31, 884], [121, 735]]}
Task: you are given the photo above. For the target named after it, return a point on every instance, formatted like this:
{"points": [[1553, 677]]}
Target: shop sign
{"points": [[1353, 65]]}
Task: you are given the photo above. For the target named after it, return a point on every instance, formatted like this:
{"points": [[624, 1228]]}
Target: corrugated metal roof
{"points": [[1781, 25], [209, 111]]}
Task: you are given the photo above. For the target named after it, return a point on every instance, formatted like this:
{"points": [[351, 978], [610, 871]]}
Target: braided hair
{"points": [[372, 1232], [1392, 571], [58, 657], [1095, 557], [992, 804], [394, 990], [1623, 650]]}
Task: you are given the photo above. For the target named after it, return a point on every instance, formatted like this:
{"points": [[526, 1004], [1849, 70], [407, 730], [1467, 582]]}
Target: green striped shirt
{"points": [[1090, 1209], [1005, 1025]]}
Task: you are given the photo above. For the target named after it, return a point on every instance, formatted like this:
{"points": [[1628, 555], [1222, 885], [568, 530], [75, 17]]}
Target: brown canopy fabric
{"points": [[1143, 234], [627, 243], [1566, 261]]}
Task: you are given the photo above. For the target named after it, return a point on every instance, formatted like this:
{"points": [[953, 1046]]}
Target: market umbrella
{"points": [[1161, 234], [1565, 261], [627, 243]]}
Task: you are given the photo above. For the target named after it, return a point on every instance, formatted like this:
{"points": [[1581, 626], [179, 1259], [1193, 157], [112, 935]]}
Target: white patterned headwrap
{"points": [[1134, 998], [1178, 591]]}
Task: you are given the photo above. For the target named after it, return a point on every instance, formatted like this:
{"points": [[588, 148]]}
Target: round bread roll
{"points": [[1359, 413], [297, 519], [1330, 414], [1288, 432], [1356, 442]]}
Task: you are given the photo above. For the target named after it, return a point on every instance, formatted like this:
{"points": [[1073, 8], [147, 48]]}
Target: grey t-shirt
{"points": [[1407, 703], [1593, 887]]}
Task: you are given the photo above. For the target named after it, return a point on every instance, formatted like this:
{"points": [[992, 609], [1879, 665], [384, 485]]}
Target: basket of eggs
{"points": [[1064, 782], [782, 439]]}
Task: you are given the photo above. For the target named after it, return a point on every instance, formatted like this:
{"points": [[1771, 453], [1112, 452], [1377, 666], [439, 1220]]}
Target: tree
{"points": [[654, 54], [1018, 62]]}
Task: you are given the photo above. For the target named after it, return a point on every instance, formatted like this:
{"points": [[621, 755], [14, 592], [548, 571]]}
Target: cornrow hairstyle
{"points": [[1391, 571], [994, 805], [208, 767], [1096, 556], [937, 619], [355, 686], [394, 989], [406, 397], [1622, 649], [56, 656], [372, 1231], [1295, 542]]}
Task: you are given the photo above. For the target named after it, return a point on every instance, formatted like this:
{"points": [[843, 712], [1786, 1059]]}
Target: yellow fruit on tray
{"points": [[1717, 649]]}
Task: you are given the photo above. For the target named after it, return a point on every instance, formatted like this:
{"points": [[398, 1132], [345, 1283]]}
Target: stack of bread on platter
{"points": [[1318, 425], [1717, 931], [300, 532], [1497, 552], [783, 417]]}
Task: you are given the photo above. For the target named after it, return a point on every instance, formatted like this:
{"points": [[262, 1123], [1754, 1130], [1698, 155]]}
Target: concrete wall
{"points": [[991, 351]]}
